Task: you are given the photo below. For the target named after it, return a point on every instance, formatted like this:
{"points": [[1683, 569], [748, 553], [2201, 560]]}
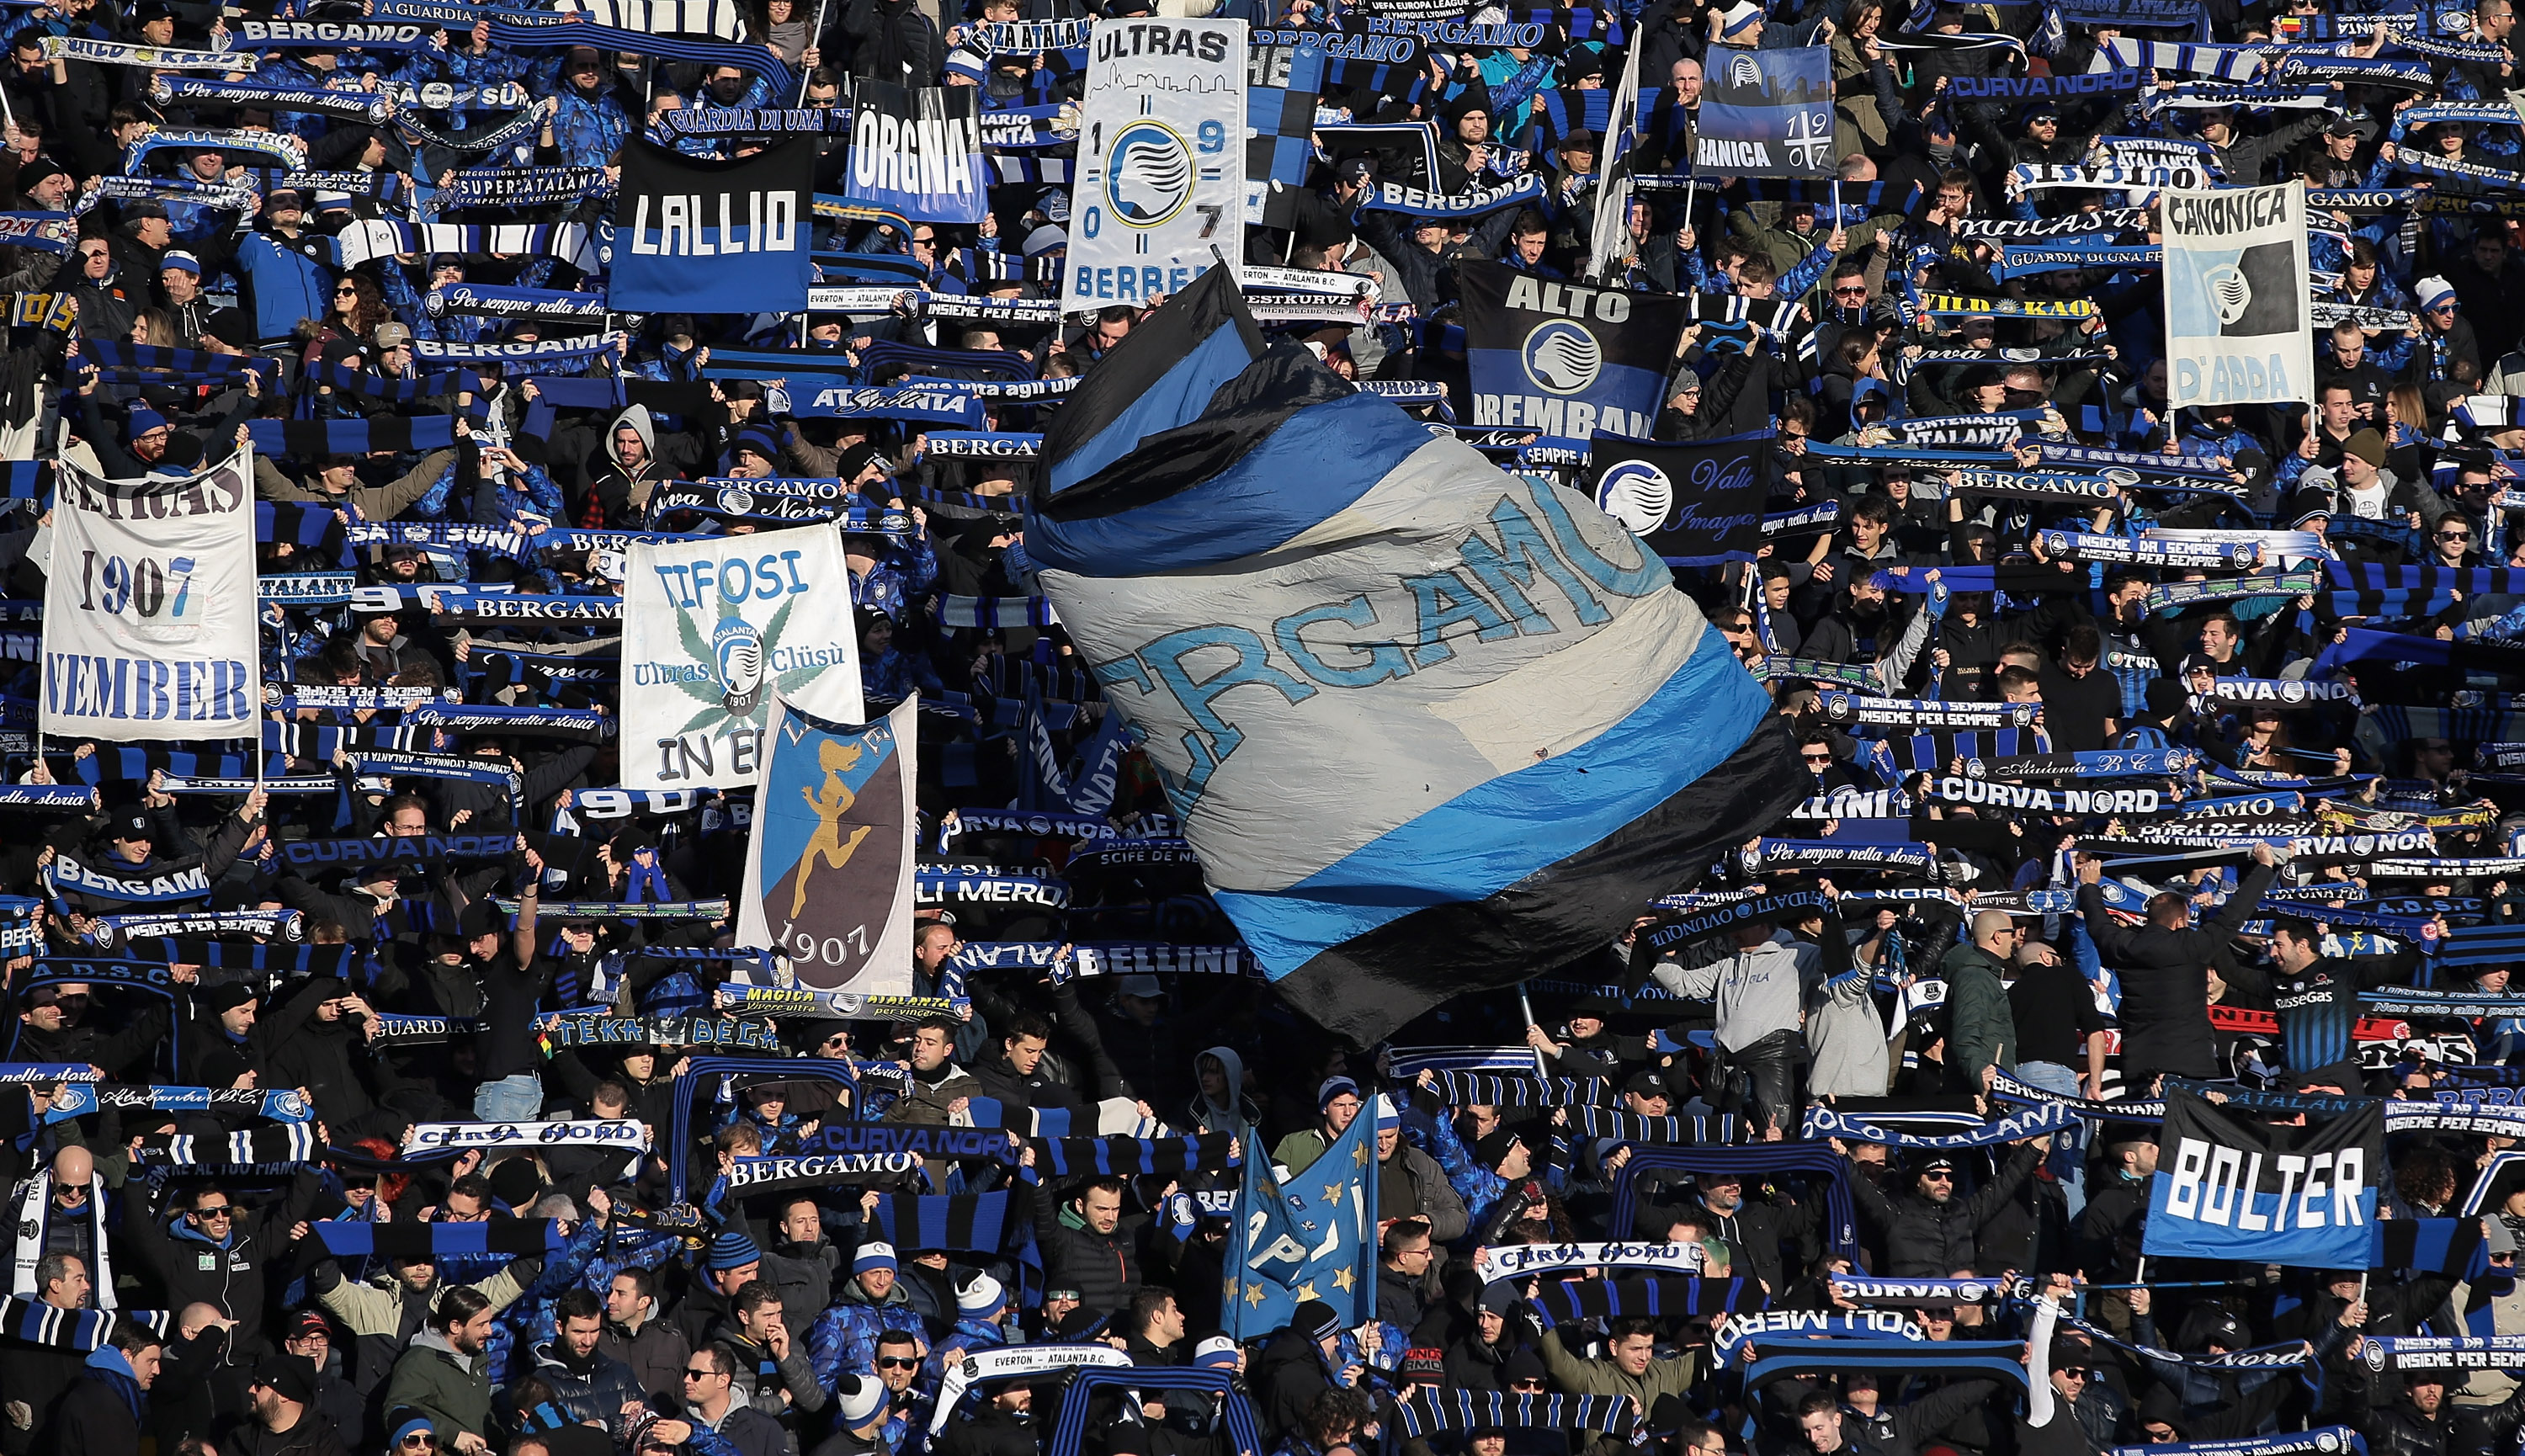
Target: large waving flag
{"points": [[1431, 728], [1312, 1237]]}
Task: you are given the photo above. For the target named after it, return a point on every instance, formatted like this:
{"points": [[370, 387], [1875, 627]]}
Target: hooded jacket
{"points": [[102, 1413], [1237, 1117], [618, 494]]}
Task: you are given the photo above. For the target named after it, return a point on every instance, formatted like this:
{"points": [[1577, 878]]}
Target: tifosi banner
{"points": [[2232, 1187], [1695, 504], [1160, 160], [1767, 112], [919, 152], [828, 868], [709, 628], [2237, 327], [692, 235], [149, 603], [1564, 359]]}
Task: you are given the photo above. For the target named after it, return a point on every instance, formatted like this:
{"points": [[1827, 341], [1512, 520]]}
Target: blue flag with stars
{"points": [[1310, 1237]]}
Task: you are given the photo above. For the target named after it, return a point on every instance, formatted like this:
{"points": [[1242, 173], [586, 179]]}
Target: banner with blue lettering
{"points": [[694, 234], [2237, 318], [919, 152], [828, 867], [1695, 504], [149, 606], [2229, 1187], [1564, 359], [1767, 112]]}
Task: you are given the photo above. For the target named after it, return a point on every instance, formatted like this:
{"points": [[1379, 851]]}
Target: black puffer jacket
{"points": [[1931, 1240], [2165, 1001], [595, 1390], [1104, 1267]]}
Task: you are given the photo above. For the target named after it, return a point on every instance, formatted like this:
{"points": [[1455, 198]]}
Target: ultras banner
{"points": [[1562, 358], [693, 235], [1695, 504], [149, 606], [2237, 327], [709, 628], [2230, 1186], [828, 868], [1161, 189]]}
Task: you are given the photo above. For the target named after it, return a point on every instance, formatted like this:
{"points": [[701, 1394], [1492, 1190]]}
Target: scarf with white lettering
{"points": [[35, 1213]]}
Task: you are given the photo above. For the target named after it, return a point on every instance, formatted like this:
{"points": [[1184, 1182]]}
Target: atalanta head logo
{"points": [[1562, 358], [1745, 70], [738, 649], [1637, 494], [1148, 176], [2230, 292], [735, 500]]}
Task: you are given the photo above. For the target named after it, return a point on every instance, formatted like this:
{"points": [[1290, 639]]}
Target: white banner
{"points": [[619, 1132], [1160, 160], [149, 606], [828, 867], [2238, 324], [709, 629]]}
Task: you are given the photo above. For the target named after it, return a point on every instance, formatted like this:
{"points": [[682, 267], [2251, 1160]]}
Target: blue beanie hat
{"points": [[1387, 1115], [873, 1254], [733, 1250], [1334, 1086], [420, 1424], [759, 439], [144, 420]]}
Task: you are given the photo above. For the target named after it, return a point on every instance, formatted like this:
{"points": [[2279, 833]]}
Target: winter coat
{"points": [[100, 1414], [656, 1354], [1104, 1267], [1924, 1240], [2166, 995], [596, 1393], [1982, 1027], [453, 1391]]}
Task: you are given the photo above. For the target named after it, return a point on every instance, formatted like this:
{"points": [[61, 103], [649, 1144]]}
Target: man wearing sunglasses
{"points": [[1981, 1037], [216, 1253], [1931, 1232]]}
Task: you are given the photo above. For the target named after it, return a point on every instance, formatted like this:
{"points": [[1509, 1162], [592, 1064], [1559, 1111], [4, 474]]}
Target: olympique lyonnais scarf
{"points": [[1127, 1157], [34, 1215]]}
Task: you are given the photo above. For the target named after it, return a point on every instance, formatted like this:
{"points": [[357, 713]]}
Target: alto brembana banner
{"points": [[1695, 504], [2236, 315], [2228, 1186], [828, 868], [149, 606], [709, 628], [1562, 358], [1386, 684], [692, 235], [1766, 113], [1161, 189], [919, 152]]}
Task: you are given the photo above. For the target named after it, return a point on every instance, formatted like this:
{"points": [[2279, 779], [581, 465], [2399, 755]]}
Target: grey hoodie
{"points": [[646, 476]]}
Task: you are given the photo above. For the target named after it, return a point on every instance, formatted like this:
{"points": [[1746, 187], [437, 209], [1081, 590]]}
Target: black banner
{"points": [[1696, 504], [701, 236], [1564, 359], [2235, 1187]]}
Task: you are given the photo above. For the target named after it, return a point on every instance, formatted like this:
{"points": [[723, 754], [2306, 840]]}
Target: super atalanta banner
{"points": [[149, 606], [1425, 723], [710, 628], [694, 234], [1767, 112], [1696, 504], [2238, 324], [1160, 189], [2233, 1187], [1564, 359], [828, 868], [919, 152]]}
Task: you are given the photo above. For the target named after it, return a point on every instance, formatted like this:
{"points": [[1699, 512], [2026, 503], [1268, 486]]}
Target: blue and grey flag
{"points": [[1431, 728]]}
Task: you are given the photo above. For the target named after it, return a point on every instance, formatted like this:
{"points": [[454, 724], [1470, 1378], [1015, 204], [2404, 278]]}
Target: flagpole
{"points": [[805, 71]]}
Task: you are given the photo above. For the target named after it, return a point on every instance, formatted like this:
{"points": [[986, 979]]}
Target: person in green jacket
{"points": [[1981, 1029], [1631, 1367], [444, 1375]]}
